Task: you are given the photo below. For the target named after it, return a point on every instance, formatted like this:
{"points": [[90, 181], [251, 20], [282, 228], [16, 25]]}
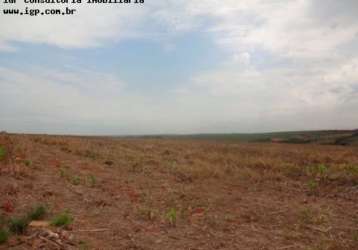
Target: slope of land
{"points": [[177, 194], [324, 137]]}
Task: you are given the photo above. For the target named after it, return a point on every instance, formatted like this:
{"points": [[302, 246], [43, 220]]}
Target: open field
{"points": [[108, 193], [324, 137]]}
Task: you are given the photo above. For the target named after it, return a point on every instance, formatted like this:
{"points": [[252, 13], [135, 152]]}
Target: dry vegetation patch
{"points": [[108, 193]]}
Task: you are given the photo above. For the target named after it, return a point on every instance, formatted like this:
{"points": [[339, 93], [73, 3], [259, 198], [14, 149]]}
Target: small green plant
{"points": [[312, 186], [28, 163], [37, 213], [62, 219], [172, 216], [4, 236], [76, 180], [322, 169], [62, 173], [92, 180], [2, 153], [322, 172], [18, 225], [306, 216], [317, 171]]}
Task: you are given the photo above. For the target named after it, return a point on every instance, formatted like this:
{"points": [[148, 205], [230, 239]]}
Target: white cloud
{"points": [[304, 28], [307, 75], [315, 97], [298, 28]]}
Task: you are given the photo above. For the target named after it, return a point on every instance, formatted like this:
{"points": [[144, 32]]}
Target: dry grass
{"points": [[187, 194]]}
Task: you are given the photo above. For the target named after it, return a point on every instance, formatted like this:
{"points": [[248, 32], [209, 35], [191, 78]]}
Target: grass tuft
{"points": [[92, 180], [172, 216]]}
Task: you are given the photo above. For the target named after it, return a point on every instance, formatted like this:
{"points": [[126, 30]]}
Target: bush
{"points": [[76, 180], [37, 213], [2, 153], [63, 219], [28, 163], [4, 236], [18, 225]]}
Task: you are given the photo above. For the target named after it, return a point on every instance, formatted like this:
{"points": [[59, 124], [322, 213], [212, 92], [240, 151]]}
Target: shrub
{"points": [[2, 153], [63, 219], [28, 163], [4, 236], [76, 180], [18, 225], [37, 212]]}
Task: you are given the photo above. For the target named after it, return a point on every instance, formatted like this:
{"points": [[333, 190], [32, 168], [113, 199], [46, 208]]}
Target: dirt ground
{"points": [[180, 194]]}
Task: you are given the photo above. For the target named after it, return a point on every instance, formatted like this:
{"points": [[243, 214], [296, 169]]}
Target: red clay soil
{"points": [[180, 194]]}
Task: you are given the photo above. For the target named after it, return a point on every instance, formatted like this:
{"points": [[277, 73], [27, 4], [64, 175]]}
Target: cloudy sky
{"points": [[181, 66]]}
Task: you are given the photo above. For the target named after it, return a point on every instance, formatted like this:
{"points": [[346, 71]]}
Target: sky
{"points": [[181, 66]]}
